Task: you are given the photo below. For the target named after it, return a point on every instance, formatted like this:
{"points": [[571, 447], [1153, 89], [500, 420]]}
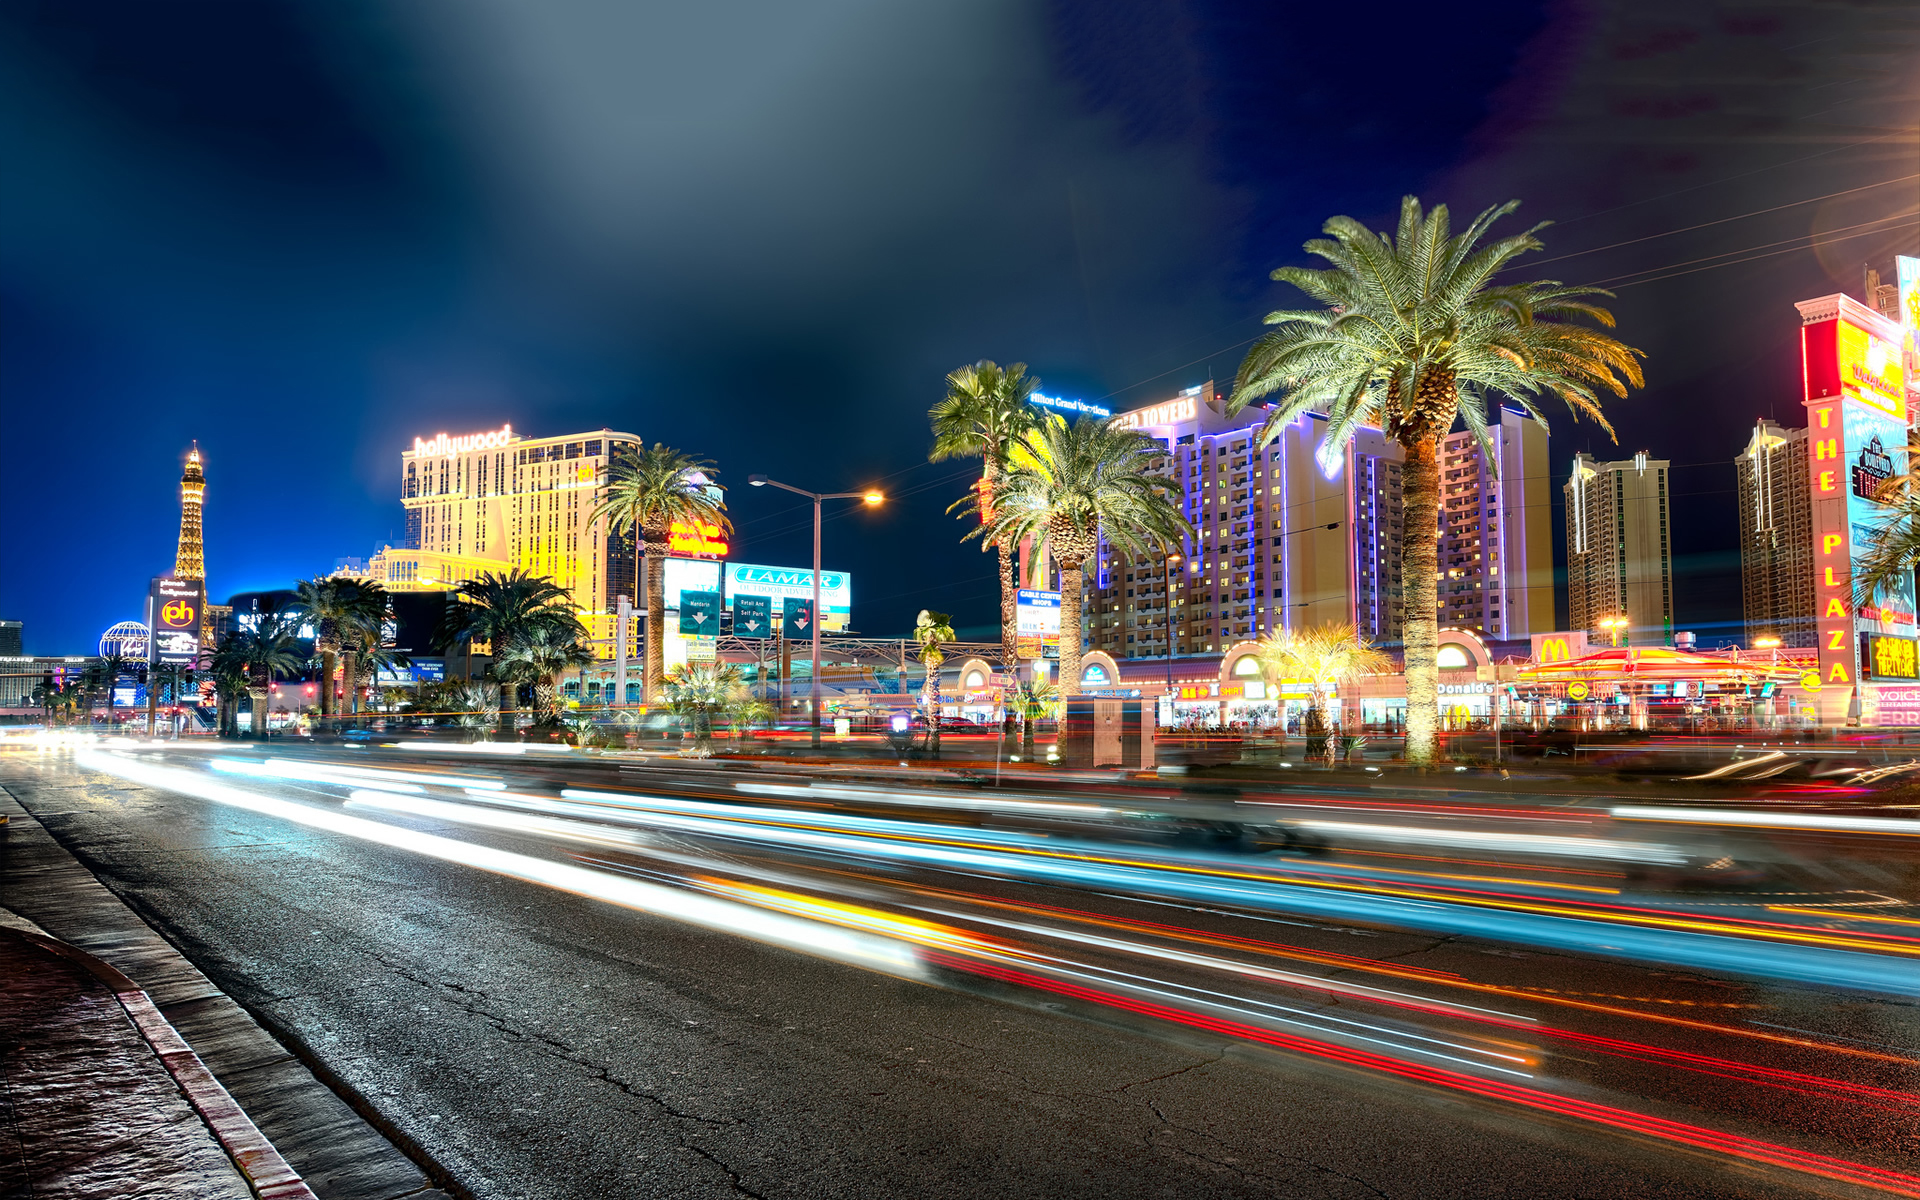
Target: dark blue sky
{"points": [[304, 234]]}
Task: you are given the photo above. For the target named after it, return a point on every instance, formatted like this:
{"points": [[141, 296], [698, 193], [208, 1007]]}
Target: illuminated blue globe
{"points": [[127, 639]]}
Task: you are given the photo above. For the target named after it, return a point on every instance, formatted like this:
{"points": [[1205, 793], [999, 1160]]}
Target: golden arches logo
{"points": [[1555, 650], [177, 613]]}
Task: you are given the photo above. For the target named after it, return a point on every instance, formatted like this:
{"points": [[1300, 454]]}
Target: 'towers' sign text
{"points": [[442, 444], [1185, 408]]}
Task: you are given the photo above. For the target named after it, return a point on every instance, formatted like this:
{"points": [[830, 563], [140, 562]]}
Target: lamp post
{"points": [[872, 499], [1771, 644], [1614, 626]]}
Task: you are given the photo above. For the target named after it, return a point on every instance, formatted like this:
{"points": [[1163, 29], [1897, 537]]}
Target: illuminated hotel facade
{"points": [[1280, 544], [494, 501], [1776, 536]]}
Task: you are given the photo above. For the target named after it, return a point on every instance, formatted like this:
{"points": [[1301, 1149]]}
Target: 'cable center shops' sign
{"points": [[174, 607]]}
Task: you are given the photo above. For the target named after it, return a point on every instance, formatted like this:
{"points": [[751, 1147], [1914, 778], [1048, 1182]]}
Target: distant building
{"points": [[1496, 550], [11, 640], [1279, 543], [1619, 560], [1776, 536]]}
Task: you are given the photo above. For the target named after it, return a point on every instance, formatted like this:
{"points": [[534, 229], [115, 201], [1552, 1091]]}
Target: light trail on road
{"points": [[805, 879]]}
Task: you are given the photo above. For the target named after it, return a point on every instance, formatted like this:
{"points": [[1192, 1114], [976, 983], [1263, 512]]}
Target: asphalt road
{"points": [[539, 1043]]}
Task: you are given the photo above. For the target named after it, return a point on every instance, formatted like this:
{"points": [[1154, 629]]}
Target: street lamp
{"points": [[1615, 626], [872, 498]]}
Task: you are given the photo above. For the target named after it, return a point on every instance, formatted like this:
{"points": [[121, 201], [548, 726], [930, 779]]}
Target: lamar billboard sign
{"points": [[173, 613]]}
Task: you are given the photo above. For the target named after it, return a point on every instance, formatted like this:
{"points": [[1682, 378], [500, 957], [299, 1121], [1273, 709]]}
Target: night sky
{"points": [[763, 232]]}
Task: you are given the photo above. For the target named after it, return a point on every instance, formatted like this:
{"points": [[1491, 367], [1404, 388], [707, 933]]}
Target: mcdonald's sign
{"points": [[1559, 647]]}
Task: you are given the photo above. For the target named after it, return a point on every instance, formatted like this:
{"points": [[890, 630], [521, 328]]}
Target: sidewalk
{"points": [[102, 1027], [90, 1110]]}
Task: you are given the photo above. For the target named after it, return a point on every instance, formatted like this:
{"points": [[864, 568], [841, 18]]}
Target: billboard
{"points": [[1886, 657], [1559, 647], [174, 607], [781, 583], [683, 575], [1037, 623], [1870, 370]]}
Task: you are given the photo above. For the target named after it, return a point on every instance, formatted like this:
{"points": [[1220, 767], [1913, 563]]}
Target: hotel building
{"points": [[1618, 559], [494, 501], [1776, 536], [1280, 544]]}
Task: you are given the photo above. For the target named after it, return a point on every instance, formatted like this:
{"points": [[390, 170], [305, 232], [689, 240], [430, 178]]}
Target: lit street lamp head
{"points": [[757, 480], [874, 498]]}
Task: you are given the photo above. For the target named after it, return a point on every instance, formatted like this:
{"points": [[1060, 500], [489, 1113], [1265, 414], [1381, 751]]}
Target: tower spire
{"points": [[190, 560]]}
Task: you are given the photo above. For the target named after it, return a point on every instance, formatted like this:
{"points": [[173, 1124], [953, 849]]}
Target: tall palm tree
{"points": [[362, 637], [228, 667], [1324, 657], [539, 656], [502, 610], [650, 489], [985, 412], [270, 650], [341, 611], [1067, 486], [1412, 336], [933, 630]]}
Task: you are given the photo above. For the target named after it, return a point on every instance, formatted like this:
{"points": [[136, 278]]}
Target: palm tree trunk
{"points": [[930, 700], [1071, 582], [656, 669], [329, 662], [259, 697], [349, 682], [1420, 565], [1009, 610], [507, 698]]}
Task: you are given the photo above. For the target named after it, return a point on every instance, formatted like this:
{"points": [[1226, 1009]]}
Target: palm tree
{"points": [[1324, 657], [362, 638], [1412, 336], [649, 490], [341, 612], [1036, 699], [985, 412], [696, 690], [933, 630], [1067, 486], [228, 668], [270, 650], [104, 673], [1893, 546], [502, 610], [539, 656]]}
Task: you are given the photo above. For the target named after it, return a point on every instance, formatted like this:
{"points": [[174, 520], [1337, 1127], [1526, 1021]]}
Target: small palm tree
{"points": [[933, 630], [1885, 571], [1066, 487], [985, 412], [104, 673], [270, 651], [228, 667], [1035, 700], [502, 610], [540, 656], [649, 490], [473, 708], [695, 691], [1412, 336], [1324, 657]]}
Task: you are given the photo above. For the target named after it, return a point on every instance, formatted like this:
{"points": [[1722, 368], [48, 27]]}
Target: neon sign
{"points": [[1072, 406], [1186, 408], [442, 444], [1870, 370], [705, 541]]}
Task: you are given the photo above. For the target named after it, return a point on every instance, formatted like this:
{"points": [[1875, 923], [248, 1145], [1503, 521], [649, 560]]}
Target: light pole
{"points": [[871, 498], [1615, 626], [1770, 643]]}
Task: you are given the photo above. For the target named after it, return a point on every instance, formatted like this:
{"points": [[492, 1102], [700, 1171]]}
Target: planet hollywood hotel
{"points": [[1859, 407]]}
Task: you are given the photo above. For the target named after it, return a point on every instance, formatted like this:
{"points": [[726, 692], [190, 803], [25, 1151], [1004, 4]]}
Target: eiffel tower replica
{"points": [[190, 560]]}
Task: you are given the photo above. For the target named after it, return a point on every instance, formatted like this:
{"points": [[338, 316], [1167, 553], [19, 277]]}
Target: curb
{"points": [[253, 1155]]}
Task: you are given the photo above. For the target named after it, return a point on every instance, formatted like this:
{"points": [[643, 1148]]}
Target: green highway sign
{"points": [[699, 614], [752, 616], [796, 618]]}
